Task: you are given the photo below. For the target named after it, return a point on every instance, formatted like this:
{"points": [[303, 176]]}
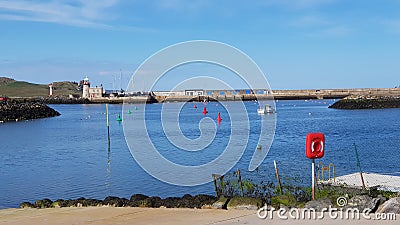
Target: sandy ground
{"points": [[110, 215]]}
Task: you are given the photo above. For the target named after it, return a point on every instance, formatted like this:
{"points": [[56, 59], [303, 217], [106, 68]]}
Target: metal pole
{"points": [[109, 151], [359, 167], [313, 179], [108, 124]]}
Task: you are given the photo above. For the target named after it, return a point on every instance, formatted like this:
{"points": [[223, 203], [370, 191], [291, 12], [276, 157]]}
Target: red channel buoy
{"points": [[205, 111], [219, 117]]}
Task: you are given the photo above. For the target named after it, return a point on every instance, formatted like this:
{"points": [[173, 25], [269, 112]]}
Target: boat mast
{"points": [[120, 79]]}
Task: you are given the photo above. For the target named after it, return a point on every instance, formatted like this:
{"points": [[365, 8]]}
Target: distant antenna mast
{"points": [[144, 84], [132, 83], [120, 79], [114, 83]]}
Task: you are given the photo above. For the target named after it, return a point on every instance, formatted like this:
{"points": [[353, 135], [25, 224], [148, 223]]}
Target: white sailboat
{"points": [[266, 109]]}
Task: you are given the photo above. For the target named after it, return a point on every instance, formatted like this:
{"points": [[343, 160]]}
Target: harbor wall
{"points": [[229, 95], [334, 93], [284, 94]]}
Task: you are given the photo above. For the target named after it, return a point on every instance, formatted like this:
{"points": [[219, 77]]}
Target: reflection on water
{"points": [[108, 177]]}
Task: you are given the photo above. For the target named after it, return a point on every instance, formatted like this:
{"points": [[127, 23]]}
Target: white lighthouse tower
{"points": [[86, 86], [51, 89]]}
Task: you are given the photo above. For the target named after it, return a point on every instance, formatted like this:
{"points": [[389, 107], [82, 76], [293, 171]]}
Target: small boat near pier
{"points": [[266, 109]]}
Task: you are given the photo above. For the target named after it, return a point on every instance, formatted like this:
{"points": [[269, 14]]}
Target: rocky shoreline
{"points": [[16, 111], [378, 204], [53, 100], [137, 200], [367, 102]]}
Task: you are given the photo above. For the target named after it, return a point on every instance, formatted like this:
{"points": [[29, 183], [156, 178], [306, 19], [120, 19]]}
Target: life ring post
{"points": [[313, 178], [314, 150]]}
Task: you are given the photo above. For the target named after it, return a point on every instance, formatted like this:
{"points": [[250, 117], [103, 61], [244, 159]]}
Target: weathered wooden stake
{"points": [[221, 180], [240, 182], [214, 176], [278, 178]]}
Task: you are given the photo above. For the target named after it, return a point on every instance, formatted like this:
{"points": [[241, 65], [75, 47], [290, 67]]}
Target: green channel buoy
{"points": [[119, 119]]}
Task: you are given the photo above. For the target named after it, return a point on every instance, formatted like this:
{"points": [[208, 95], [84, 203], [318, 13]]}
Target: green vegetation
{"points": [[240, 201], [286, 200], [293, 194], [13, 88]]}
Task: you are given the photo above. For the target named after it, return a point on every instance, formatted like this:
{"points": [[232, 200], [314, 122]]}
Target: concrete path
{"points": [[110, 215], [383, 182]]}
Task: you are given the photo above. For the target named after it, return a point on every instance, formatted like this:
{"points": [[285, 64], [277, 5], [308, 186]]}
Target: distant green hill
{"points": [[13, 88]]}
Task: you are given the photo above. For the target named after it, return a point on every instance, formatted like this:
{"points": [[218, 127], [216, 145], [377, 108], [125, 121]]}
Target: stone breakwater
{"points": [[137, 200], [53, 100], [378, 203], [16, 111], [367, 102]]}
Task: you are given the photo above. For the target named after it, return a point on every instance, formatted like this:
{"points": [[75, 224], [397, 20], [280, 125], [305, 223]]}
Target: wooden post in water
{"points": [[359, 167], [240, 182], [215, 177], [221, 181], [278, 178]]}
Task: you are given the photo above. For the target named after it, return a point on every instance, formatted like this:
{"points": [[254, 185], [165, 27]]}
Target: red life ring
{"points": [[320, 145], [315, 145]]}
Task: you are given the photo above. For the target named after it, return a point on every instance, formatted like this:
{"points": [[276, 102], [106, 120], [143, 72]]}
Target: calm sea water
{"points": [[67, 156]]}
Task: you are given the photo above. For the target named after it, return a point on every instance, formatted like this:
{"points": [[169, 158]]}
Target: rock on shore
{"points": [[367, 102], [15, 111]]}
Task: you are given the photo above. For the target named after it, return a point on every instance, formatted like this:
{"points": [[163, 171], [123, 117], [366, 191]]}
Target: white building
{"points": [[169, 93], [195, 92], [96, 92], [88, 92], [86, 87]]}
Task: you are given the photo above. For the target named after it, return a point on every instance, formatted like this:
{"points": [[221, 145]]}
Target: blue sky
{"points": [[298, 44]]}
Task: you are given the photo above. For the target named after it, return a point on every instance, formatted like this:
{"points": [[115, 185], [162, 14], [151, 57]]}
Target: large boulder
{"points": [[152, 202], [246, 203], [390, 206], [26, 205], [221, 203], [138, 197], [362, 202], [283, 201], [83, 202], [115, 201], [42, 204], [138, 200], [59, 203], [318, 205], [203, 200], [172, 202]]}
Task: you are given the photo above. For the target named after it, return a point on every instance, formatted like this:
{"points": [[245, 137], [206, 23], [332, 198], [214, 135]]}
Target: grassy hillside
{"points": [[12, 88]]}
